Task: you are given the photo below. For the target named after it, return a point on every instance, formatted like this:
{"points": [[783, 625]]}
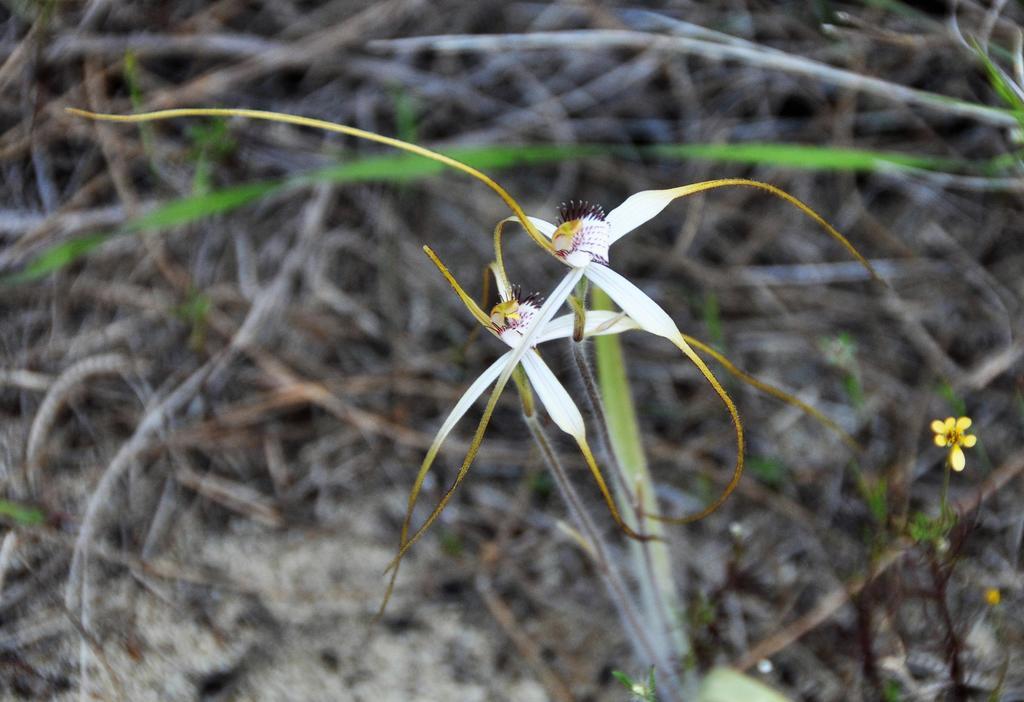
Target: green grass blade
{"points": [[55, 258], [191, 209], [623, 428], [394, 169], [175, 213], [806, 157], [1001, 84], [627, 445], [404, 168], [21, 514]]}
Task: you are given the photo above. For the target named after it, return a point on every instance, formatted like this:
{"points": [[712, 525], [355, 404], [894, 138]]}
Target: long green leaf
{"points": [[818, 158], [652, 557], [173, 214], [191, 209], [405, 168], [21, 514]]}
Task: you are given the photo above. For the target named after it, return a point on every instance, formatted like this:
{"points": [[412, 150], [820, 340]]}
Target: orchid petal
{"points": [[645, 205], [543, 226], [330, 127], [769, 389], [553, 396], [633, 301], [501, 281], [730, 406], [466, 401], [637, 209], [963, 424], [938, 427], [546, 228], [558, 297], [529, 338], [469, 397], [598, 323], [588, 456], [468, 301], [652, 318], [474, 448], [969, 441], [940, 440]]}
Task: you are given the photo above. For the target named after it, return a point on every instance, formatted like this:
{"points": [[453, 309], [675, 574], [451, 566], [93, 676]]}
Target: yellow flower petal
{"points": [[963, 423], [956, 458], [938, 427], [969, 440], [950, 424], [940, 439]]}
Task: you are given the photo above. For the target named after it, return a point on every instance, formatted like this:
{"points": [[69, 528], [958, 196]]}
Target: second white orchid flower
{"points": [[521, 322]]}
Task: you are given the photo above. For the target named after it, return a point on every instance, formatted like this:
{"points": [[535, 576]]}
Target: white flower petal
{"points": [[544, 315], [501, 282], [633, 301], [553, 396], [637, 209], [547, 311], [469, 397], [543, 226], [599, 323]]}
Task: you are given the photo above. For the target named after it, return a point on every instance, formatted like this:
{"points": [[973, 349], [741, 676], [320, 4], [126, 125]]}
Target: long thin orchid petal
{"points": [[543, 226], [645, 205], [633, 301], [468, 301], [652, 318], [467, 400], [730, 406], [513, 358], [607, 495], [553, 396], [598, 323], [474, 448], [637, 209], [557, 298], [330, 127], [773, 391], [501, 282], [498, 266]]}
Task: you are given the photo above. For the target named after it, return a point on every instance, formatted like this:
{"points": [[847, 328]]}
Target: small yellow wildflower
{"points": [[992, 596], [950, 434]]}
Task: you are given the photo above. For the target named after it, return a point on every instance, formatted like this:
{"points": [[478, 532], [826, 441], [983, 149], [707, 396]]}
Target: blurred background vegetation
{"points": [[223, 352]]}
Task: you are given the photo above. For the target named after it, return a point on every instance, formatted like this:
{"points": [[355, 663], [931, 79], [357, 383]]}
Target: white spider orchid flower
{"points": [[582, 240], [522, 323]]}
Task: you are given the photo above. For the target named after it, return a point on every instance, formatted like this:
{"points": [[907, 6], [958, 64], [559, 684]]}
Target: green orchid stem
{"points": [[638, 634], [619, 440], [578, 302], [651, 559]]}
